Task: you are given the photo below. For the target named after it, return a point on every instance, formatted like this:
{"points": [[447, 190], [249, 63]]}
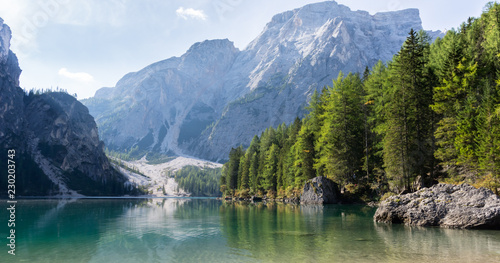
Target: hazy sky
{"points": [[83, 45]]}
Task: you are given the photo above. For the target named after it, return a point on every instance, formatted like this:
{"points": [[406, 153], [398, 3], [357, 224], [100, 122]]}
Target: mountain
{"points": [[215, 96], [168, 103], [54, 139]]}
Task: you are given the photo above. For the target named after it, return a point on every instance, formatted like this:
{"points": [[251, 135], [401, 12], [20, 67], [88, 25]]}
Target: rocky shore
{"points": [[319, 190], [444, 205]]}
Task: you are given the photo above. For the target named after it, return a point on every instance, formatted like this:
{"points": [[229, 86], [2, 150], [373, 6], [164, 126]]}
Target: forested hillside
{"points": [[199, 181], [431, 114]]}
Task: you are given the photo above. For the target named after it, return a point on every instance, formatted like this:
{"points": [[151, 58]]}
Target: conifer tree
{"points": [[233, 167], [304, 155], [340, 145], [269, 180], [440, 101], [408, 125]]}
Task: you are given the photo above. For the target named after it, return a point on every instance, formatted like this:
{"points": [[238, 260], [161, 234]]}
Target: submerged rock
{"points": [[320, 190], [445, 205]]}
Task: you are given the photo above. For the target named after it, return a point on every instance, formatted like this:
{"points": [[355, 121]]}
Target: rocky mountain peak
{"points": [[316, 13], [5, 36], [215, 97], [9, 67], [208, 57], [409, 15], [221, 45], [303, 24]]}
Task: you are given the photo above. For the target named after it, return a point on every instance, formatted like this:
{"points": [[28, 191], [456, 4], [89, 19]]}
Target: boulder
{"points": [[445, 205], [255, 198], [320, 190]]}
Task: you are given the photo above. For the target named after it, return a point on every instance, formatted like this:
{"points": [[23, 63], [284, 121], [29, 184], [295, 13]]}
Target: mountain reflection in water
{"points": [[209, 230]]}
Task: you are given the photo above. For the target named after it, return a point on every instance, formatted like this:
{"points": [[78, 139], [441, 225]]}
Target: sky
{"points": [[83, 45]]}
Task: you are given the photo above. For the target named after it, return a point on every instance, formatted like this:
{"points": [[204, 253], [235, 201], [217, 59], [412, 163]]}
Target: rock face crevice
{"points": [[225, 96], [55, 139], [445, 205]]}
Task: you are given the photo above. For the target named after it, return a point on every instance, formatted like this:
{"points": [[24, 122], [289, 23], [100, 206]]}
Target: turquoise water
{"points": [[208, 230]]}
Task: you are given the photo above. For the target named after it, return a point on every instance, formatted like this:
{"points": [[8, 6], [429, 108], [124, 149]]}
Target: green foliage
{"points": [[113, 186], [158, 158], [433, 112], [30, 179], [270, 169], [304, 155], [408, 122], [467, 99], [36, 92], [232, 169], [338, 146], [133, 154], [199, 181], [121, 164]]}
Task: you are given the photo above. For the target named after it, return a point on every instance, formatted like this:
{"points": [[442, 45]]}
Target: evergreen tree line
{"points": [[34, 92], [431, 114], [123, 165], [198, 181]]}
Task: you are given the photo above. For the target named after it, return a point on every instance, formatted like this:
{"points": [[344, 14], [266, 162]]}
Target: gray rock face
{"points": [[165, 106], [57, 147], [11, 98], [68, 135], [216, 97], [452, 206], [320, 190]]}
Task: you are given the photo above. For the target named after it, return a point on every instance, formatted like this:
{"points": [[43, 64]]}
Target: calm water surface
{"points": [[208, 230]]}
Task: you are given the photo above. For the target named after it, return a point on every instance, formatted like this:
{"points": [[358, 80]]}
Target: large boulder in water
{"points": [[320, 190], [445, 205]]}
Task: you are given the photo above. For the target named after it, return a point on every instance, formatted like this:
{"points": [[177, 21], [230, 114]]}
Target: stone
{"points": [[444, 205], [255, 198], [320, 190]]}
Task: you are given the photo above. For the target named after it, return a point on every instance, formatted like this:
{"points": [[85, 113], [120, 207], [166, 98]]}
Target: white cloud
{"points": [[191, 13], [79, 76]]}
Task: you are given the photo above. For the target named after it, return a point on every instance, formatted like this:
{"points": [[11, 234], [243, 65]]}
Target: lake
{"points": [[209, 230]]}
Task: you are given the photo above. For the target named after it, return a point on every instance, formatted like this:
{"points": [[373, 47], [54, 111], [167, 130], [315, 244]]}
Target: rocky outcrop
{"points": [[167, 105], [320, 190], [445, 205], [11, 97], [63, 133], [215, 96], [55, 139]]}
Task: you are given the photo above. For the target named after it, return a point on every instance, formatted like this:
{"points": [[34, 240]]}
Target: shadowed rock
{"points": [[452, 206], [320, 190]]}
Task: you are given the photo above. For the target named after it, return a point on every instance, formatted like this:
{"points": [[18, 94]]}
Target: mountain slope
{"points": [[230, 95], [166, 103]]}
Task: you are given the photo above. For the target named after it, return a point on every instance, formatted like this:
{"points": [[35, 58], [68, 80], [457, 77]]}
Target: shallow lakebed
{"points": [[209, 230]]}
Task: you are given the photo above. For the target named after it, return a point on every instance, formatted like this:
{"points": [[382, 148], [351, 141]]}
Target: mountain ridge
{"points": [[207, 109]]}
